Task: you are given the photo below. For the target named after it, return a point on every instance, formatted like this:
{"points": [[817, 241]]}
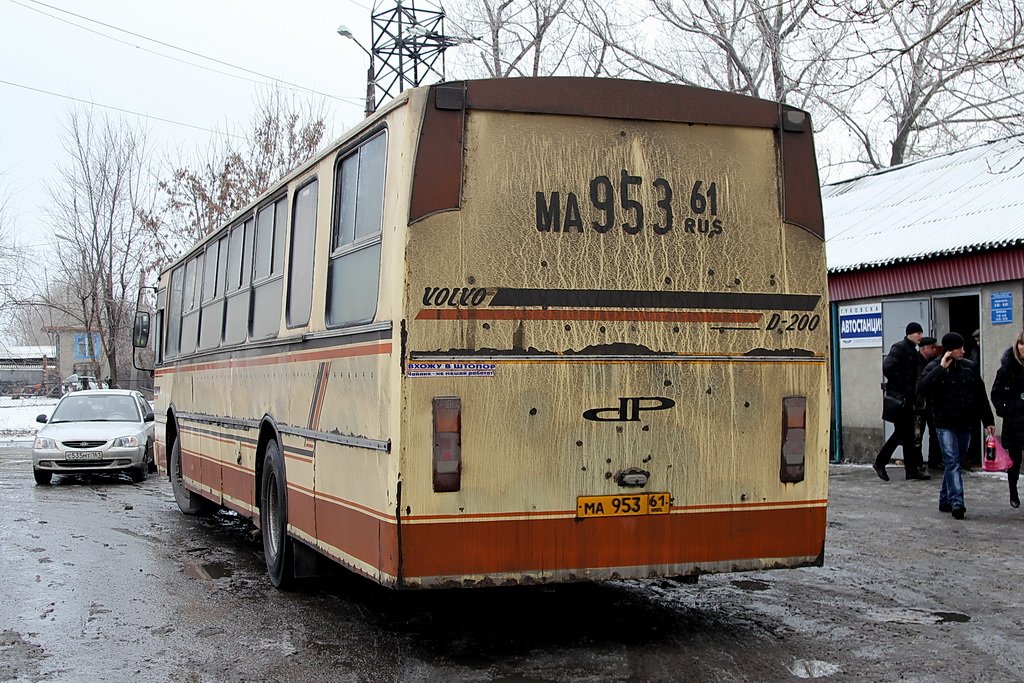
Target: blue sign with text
{"points": [[1002, 308], [860, 326]]}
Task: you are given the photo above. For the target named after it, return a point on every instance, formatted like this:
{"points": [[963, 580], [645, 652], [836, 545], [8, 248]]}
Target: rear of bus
{"points": [[616, 336]]}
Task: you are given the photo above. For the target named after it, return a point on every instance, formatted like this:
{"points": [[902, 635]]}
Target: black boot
{"points": [[1014, 499]]}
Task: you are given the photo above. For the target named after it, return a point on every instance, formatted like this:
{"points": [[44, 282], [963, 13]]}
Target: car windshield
{"points": [[96, 409]]}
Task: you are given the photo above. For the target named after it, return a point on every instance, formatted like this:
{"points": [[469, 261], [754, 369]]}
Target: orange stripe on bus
{"points": [[563, 513], [283, 358], [600, 315], [538, 545], [355, 533]]}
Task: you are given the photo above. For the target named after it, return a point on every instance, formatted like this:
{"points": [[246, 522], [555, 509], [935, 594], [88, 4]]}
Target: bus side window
{"points": [[190, 309], [212, 298], [268, 268], [352, 280], [174, 312], [300, 271], [236, 269]]}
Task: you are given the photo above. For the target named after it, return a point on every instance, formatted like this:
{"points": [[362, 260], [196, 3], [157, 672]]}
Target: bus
{"points": [[515, 331]]}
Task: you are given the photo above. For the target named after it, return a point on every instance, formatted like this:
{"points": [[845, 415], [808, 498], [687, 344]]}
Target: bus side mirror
{"points": [[140, 336]]}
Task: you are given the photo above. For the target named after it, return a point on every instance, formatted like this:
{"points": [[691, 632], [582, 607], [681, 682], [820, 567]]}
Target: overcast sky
{"points": [[86, 50]]}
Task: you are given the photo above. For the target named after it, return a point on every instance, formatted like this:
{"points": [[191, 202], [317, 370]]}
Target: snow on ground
{"points": [[18, 416]]}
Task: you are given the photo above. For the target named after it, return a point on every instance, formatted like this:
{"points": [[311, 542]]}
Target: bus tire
{"points": [[277, 546], [189, 502]]}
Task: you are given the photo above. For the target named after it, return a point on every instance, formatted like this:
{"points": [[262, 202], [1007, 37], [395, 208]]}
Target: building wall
{"points": [[71, 358], [860, 369], [860, 372]]}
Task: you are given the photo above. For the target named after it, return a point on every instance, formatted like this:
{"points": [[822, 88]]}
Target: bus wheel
{"points": [[277, 547], [188, 502]]}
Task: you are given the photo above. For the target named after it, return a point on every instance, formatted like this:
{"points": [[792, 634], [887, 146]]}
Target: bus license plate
{"points": [[628, 505], [83, 455]]}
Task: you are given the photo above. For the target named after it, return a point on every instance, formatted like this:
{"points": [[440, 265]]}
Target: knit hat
{"points": [[927, 341], [952, 341], [914, 327]]}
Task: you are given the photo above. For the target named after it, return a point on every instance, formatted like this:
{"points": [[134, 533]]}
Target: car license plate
{"points": [[83, 455], [628, 505]]}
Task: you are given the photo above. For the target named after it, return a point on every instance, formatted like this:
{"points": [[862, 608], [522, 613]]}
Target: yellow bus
{"points": [[514, 331]]}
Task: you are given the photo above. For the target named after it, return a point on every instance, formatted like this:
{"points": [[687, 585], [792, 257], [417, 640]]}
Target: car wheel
{"points": [[42, 476], [277, 547], [150, 460], [188, 502], [139, 474]]}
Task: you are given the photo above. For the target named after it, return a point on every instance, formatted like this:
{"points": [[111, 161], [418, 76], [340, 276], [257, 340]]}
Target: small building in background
{"points": [[78, 351], [938, 241], [30, 370]]}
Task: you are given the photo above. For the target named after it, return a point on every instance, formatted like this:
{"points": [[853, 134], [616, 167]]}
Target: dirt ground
{"points": [[104, 580]]}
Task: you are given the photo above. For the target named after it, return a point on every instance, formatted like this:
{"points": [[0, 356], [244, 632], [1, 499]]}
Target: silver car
{"points": [[102, 430]]}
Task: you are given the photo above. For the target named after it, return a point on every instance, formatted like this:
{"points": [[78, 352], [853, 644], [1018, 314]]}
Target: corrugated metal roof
{"points": [[921, 276], [27, 352], [957, 203]]}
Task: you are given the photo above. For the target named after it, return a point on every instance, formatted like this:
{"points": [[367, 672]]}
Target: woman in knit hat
{"points": [[1008, 399]]}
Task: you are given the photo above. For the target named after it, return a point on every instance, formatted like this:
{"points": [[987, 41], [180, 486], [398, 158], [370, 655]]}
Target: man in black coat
{"points": [[929, 350], [901, 368], [957, 399]]}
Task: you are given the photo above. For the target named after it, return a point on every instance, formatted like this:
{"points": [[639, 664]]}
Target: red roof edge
{"points": [[958, 271]]}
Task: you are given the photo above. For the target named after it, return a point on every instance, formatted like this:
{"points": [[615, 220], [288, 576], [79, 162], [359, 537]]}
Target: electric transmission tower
{"points": [[406, 50]]}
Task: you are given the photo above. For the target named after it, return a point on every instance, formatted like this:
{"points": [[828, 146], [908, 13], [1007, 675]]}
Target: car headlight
{"points": [[44, 444], [126, 442]]}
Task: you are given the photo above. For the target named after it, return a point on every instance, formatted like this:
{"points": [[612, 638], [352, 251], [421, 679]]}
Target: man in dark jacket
{"points": [[957, 398], [900, 368], [929, 350]]}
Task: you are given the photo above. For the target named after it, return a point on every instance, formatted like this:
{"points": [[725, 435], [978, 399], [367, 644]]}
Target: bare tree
{"points": [[17, 321], [930, 75], [234, 170], [774, 49], [101, 241], [526, 38], [9, 267]]}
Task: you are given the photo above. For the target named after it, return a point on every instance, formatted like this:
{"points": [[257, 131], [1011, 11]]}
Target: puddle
{"points": [[752, 585], [906, 615], [945, 617], [210, 571]]}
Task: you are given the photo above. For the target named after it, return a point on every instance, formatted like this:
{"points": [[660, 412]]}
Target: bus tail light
{"points": [[794, 439], [447, 444]]}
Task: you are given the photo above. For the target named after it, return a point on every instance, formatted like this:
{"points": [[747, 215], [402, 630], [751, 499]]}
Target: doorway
{"points": [[895, 316], [961, 313]]}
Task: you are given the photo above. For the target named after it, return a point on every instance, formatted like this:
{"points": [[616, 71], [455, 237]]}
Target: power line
{"points": [[124, 111], [292, 86]]}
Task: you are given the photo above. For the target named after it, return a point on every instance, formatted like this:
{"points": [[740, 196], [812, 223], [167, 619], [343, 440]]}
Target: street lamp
{"points": [[370, 85]]}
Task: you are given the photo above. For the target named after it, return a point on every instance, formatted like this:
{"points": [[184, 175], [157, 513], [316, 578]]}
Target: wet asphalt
{"points": [[104, 580]]}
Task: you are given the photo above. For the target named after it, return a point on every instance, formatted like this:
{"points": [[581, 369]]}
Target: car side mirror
{"points": [[149, 417], [41, 418]]}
